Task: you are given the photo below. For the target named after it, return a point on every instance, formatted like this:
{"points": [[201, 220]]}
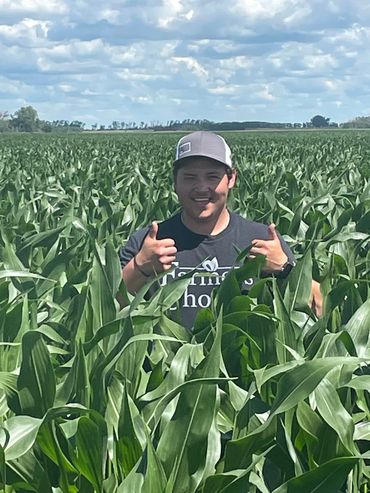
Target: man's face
{"points": [[202, 187]]}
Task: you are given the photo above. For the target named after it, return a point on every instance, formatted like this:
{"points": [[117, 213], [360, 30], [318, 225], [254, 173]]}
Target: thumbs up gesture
{"points": [[271, 249], [155, 255]]}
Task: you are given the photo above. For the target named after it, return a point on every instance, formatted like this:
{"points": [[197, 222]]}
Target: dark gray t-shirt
{"points": [[215, 254]]}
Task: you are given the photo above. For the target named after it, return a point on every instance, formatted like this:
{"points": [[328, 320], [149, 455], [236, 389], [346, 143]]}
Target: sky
{"points": [[161, 60]]}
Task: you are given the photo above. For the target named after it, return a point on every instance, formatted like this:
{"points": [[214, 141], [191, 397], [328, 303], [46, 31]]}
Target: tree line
{"points": [[26, 119]]}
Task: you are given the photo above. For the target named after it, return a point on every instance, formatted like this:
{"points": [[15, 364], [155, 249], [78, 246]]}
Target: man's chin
{"points": [[203, 217]]}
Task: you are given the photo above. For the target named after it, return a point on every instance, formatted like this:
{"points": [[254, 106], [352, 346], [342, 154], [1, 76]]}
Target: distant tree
{"points": [[94, 126], [319, 121], [26, 119], [115, 125], [4, 121], [359, 122], [76, 126], [45, 126]]}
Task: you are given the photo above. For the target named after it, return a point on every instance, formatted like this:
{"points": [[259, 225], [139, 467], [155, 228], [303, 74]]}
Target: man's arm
{"points": [[276, 258], [154, 257], [316, 299]]}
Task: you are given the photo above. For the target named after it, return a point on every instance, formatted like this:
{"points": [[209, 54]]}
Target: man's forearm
{"points": [[133, 278]]}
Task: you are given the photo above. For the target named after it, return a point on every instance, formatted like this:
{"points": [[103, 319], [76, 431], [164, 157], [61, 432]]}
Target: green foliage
{"points": [[262, 396], [358, 122], [319, 121], [25, 119]]}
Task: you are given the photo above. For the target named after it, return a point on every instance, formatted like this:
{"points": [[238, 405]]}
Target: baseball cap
{"points": [[203, 144]]}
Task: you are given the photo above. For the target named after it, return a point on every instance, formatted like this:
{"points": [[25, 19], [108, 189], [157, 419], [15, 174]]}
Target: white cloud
{"points": [[237, 62], [182, 64], [130, 75], [320, 61], [30, 31], [265, 93], [332, 85], [356, 35], [34, 6], [110, 15], [142, 99], [170, 59], [9, 87], [225, 90], [260, 9], [66, 87], [173, 11], [298, 15]]}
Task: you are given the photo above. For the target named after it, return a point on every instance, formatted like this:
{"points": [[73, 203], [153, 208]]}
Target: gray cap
{"points": [[203, 144]]}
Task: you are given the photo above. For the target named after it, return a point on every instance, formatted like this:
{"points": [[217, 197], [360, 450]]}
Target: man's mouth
{"points": [[204, 200]]}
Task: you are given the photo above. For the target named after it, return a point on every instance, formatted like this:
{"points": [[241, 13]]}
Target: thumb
{"points": [[272, 232], [153, 230]]}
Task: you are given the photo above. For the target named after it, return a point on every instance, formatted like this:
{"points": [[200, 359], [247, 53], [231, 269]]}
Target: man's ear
{"points": [[232, 180]]}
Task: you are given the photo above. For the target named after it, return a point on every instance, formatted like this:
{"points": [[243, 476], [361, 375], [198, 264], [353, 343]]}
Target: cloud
{"points": [[36, 7], [27, 32], [284, 60]]}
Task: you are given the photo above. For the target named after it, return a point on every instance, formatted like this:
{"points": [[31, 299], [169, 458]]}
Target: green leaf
{"points": [[128, 447], [36, 381], [182, 447], [299, 285], [296, 384], [358, 328], [239, 453], [101, 297], [22, 435], [27, 474], [90, 451], [6, 274], [45, 238], [327, 478], [334, 413], [285, 332], [155, 478]]}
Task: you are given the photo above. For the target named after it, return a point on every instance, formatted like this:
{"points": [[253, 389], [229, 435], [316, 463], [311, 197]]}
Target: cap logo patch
{"points": [[183, 149]]}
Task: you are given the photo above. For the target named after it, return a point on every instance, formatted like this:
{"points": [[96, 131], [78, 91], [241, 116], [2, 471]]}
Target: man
{"points": [[205, 234]]}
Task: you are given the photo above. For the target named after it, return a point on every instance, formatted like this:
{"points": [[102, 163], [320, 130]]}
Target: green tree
{"points": [[319, 121], [359, 122], [4, 121], [26, 119]]}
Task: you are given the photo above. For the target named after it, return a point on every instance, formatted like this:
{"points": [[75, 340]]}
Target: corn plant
{"points": [[262, 396]]}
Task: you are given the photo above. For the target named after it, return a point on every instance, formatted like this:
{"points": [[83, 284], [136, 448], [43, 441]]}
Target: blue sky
{"points": [[159, 60]]}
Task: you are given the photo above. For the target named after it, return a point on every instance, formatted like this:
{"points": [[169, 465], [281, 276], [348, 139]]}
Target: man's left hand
{"points": [[272, 250]]}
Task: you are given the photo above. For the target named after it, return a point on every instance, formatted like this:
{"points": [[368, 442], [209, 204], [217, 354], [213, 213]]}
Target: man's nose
{"points": [[203, 184]]}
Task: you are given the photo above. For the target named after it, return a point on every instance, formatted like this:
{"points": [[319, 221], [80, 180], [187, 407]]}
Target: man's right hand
{"points": [[156, 256]]}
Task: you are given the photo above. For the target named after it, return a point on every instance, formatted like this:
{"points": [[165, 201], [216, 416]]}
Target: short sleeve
{"points": [[132, 247]]}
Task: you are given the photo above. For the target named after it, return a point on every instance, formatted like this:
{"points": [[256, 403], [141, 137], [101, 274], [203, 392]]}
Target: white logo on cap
{"points": [[183, 149]]}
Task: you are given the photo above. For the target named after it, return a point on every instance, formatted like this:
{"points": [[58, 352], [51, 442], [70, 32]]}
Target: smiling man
{"points": [[205, 233]]}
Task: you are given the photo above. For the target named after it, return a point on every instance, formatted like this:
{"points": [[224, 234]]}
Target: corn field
{"points": [[262, 396]]}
